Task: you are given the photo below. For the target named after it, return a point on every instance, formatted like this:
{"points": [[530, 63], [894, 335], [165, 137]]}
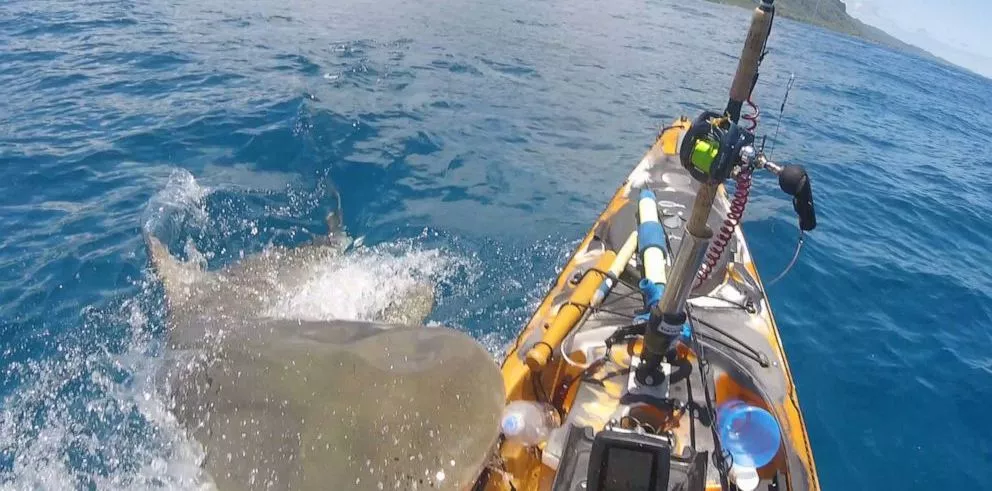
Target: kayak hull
{"points": [[744, 346]]}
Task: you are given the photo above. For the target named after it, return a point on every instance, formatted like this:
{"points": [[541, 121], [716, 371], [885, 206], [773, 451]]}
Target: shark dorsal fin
{"points": [[177, 276]]}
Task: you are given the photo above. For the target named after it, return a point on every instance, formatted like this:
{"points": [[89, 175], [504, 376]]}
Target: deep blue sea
{"points": [[472, 144]]}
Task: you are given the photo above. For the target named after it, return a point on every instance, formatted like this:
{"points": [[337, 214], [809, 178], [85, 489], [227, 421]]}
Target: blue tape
{"points": [[651, 292], [650, 234], [604, 288], [686, 332]]}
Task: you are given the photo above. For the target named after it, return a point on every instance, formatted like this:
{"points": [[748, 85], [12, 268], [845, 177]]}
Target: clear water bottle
{"points": [[749, 433], [528, 422]]}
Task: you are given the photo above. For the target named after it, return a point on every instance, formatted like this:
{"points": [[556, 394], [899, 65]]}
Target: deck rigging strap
{"points": [[741, 347], [719, 455]]}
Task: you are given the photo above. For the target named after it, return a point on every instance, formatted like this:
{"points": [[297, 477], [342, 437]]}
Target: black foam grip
{"points": [[792, 179], [795, 182]]}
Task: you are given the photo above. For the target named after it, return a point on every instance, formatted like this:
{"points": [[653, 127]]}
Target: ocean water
{"points": [[471, 145]]}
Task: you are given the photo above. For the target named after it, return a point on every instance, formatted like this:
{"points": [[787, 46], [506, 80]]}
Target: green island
{"points": [[832, 14]]}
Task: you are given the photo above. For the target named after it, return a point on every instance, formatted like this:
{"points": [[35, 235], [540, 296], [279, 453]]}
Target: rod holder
{"points": [[665, 324]]}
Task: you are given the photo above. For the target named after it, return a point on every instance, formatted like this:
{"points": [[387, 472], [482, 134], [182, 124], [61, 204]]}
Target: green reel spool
{"points": [[704, 154], [711, 147]]}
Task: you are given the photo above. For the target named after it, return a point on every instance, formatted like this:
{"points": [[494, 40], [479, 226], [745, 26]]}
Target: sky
{"points": [[955, 30]]}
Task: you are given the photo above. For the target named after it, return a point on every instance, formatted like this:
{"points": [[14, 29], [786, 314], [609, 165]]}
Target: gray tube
{"points": [[683, 276]]}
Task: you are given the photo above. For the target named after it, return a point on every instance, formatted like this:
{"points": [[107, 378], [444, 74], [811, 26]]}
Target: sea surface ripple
{"points": [[471, 143]]}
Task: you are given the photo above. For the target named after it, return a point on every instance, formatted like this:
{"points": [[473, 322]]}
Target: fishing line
{"points": [[795, 257], [781, 110], [788, 88], [771, 151]]}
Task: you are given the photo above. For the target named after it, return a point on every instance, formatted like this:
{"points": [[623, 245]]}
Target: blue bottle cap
{"points": [[512, 424]]}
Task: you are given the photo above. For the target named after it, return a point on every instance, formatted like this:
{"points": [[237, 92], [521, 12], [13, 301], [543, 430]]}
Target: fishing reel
{"points": [[715, 149], [711, 147]]}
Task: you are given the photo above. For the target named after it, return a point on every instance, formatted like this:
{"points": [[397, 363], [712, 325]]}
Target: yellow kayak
{"points": [[735, 325], [654, 362]]}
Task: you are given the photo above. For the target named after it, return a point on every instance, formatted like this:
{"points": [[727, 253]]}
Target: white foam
{"points": [[97, 410], [181, 197], [363, 283], [194, 256]]}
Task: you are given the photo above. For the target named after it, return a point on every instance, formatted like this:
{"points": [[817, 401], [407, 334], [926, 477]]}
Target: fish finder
{"points": [[616, 459], [628, 461]]}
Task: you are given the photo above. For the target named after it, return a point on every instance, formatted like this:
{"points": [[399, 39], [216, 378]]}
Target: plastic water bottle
{"points": [[528, 422], [750, 434]]}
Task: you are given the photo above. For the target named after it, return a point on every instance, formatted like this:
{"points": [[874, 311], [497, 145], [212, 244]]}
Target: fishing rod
{"points": [[746, 75], [714, 149]]}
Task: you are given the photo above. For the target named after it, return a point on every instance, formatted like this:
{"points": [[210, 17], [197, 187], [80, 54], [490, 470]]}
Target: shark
{"points": [[283, 403], [249, 287]]}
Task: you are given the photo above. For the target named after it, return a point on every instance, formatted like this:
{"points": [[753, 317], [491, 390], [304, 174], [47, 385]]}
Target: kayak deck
{"points": [[730, 319]]}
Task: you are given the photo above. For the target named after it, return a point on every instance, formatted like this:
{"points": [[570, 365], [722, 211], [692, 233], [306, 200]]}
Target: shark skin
{"points": [[281, 404]]}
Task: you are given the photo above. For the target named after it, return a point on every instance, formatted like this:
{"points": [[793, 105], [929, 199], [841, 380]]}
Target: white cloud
{"points": [[955, 34]]}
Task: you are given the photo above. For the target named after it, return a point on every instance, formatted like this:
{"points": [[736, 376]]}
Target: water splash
{"points": [[96, 417], [180, 205], [365, 282]]}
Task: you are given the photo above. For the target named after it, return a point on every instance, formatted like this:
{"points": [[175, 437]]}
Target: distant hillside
{"points": [[832, 14]]}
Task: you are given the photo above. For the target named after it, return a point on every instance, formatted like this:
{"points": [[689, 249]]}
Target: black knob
{"points": [[795, 182]]}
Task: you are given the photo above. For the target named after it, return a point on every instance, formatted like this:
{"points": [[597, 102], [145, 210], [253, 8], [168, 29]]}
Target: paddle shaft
{"points": [[569, 314]]}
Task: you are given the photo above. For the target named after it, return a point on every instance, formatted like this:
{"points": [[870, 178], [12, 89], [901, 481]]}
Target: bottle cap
{"points": [[512, 424], [745, 477]]}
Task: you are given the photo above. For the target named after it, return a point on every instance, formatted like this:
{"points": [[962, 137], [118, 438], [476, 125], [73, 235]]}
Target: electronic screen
{"points": [[628, 470], [627, 461]]}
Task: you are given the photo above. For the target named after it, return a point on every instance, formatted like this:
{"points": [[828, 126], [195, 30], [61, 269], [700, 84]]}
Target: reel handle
{"points": [[793, 180]]}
